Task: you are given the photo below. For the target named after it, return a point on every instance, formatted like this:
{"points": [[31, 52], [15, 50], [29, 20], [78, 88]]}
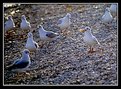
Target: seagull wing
{"points": [[60, 21], [6, 23], [51, 34], [36, 44], [95, 40], [28, 23], [18, 65]]}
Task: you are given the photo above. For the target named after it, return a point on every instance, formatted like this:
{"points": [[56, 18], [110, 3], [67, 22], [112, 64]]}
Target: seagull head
{"points": [[10, 17], [39, 26], [86, 29], [23, 17], [30, 35], [68, 15], [107, 9], [26, 52]]}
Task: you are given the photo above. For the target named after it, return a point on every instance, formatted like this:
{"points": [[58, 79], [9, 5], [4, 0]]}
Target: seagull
{"points": [[21, 64], [31, 45], [107, 17], [89, 39], [64, 22], [113, 9], [25, 25], [47, 35], [9, 24]]}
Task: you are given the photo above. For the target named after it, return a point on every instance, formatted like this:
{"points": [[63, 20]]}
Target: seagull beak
{"points": [[82, 30]]}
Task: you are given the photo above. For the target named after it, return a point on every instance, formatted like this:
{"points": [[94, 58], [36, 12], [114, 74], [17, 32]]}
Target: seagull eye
{"points": [[26, 52], [38, 26], [86, 28]]}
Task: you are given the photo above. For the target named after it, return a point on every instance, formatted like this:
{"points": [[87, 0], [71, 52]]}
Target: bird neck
{"points": [[107, 13], [30, 39], [11, 20], [24, 20], [42, 29], [66, 19], [25, 56], [88, 33]]}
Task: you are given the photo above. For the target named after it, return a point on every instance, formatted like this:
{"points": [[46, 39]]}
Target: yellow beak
{"points": [[82, 30]]}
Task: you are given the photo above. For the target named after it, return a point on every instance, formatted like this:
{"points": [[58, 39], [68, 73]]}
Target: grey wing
{"points": [[51, 34], [19, 65], [22, 64], [59, 21], [10, 67], [28, 23], [6, 23], [13, 24], [36, 45], [95, 40]]}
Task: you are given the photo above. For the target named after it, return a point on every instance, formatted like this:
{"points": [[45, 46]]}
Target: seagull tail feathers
{"points": [[10, 67]]}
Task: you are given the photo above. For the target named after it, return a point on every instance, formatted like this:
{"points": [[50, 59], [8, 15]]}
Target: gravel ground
{"points": [[65, 61]]}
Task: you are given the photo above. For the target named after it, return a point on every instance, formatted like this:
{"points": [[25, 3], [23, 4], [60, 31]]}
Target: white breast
{"points": [[9, 25], [30, 45], [25, 25], [107, 17], [65, 23], [89, 40]]}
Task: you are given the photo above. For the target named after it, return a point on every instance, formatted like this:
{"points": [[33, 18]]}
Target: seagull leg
{"points": [[48, 44], [31, 53], [91, 50], [61, 31], [36, 52], [40, 44], [65, 32], [101, 51], [21, 75]]}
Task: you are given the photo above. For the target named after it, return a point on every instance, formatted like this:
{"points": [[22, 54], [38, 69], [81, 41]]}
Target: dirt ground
{"points": [[65, 61]]}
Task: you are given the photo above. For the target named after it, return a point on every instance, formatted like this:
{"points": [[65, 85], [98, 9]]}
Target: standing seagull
{"points": [[107, 17], [47, 35], [64, 22], [31, 45], [9, 24], [113, 9], [25, 25], [89, 39], [22, 64]]}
